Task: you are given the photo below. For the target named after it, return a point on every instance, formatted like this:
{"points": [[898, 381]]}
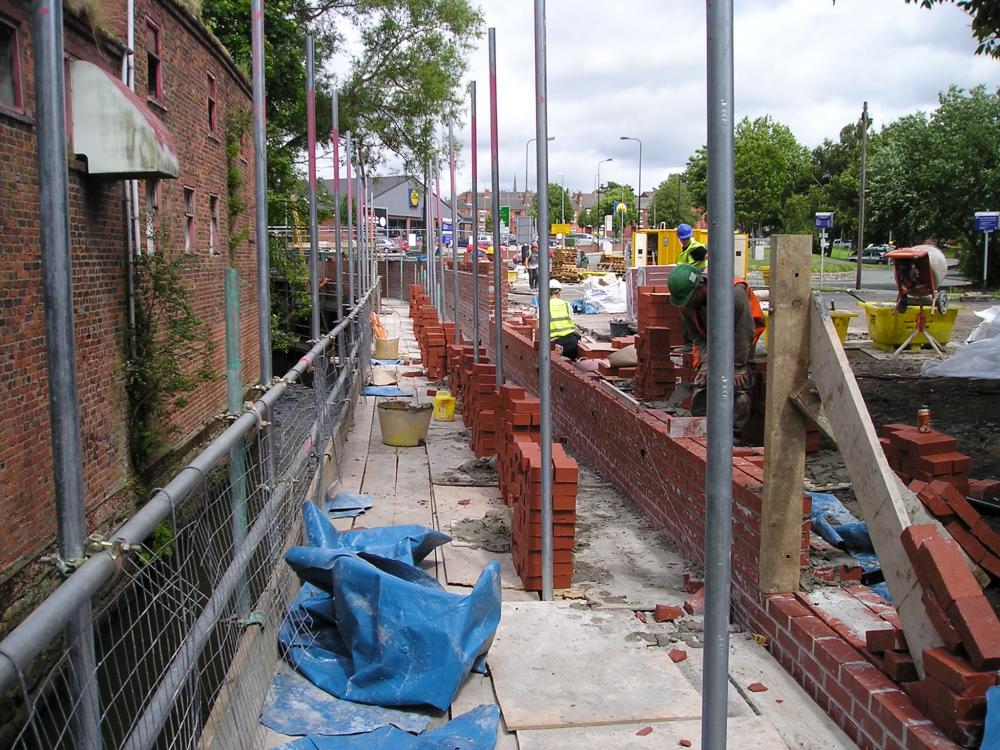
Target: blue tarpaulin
{"points": [[991, 737], [347, 504], [296, 707], [386, 390], [475, 730], [369, 626], [838, 526]]}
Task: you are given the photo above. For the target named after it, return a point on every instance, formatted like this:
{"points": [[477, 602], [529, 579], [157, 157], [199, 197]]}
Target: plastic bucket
{"points": [[619, 328], [889, 329], [404, 425], [387, 348], [511, 276], [444, 407], [841, 321]]}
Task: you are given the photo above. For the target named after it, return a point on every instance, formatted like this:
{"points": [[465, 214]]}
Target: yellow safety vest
{"points": [[560, 318], [685, 256]]}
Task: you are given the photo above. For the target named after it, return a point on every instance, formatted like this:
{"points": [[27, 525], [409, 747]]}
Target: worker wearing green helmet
{"points": [[688, 287]]}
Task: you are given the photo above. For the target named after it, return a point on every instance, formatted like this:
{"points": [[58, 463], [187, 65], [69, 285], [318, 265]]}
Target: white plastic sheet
{"points": [[989, 327], [980, 358], [606, 293]]}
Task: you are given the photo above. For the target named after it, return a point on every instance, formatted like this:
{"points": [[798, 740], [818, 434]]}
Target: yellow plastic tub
{"points": [[841, 321], [889, 329], [404, 425], [444, 407], [387, 348], [511, 276]]}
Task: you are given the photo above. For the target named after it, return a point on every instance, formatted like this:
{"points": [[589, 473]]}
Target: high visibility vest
{"points": [[560, 318], [685, 256]]}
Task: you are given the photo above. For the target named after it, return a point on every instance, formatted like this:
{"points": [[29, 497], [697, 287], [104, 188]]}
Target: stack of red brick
{"points": [[432, 337], [958, 674], [518, 419], [526, 517], [925, 455], [660, 328], [479, 403]]}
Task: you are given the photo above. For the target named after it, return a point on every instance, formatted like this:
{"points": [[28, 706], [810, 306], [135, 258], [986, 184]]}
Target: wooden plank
{"points": [[784, 426], [875, 485]]}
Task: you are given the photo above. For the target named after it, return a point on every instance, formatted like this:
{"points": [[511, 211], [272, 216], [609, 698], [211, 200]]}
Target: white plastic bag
{"points": [[980, 359], [989, 327]]}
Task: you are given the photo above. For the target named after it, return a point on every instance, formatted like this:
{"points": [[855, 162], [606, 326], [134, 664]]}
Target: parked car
{"points": [[385, 246], [583, 239], [873, 254]]}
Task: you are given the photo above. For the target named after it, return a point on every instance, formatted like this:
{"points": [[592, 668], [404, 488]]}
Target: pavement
{"points": [[590, 669]]}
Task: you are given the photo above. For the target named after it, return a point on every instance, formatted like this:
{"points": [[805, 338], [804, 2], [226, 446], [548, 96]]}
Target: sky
{"points": [[638, 68]]}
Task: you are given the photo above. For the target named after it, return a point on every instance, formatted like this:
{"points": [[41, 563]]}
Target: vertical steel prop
{"points": [[719, 466], [474, 239], [350, 228], [440, 254], [234, 402], [260, 192], [454, 234], [359, 208], [432, 240], [335, 137], [314, 332], [495, 168], [429, 234], [544, 349], [60, 350]]}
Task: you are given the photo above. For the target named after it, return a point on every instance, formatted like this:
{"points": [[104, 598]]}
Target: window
{"points": [[154, 66], [188, 219], [213, 224], [213, 116], [11, 93], [152, 212]]}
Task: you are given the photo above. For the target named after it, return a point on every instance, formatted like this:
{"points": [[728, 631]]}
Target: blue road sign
{"points": [[987, 221], [824, 219]]}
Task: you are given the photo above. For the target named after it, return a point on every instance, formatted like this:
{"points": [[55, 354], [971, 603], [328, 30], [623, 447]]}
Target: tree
{"points": [[613, 193], [985, 21], [560, 204], [671, 203], [488, 224]]}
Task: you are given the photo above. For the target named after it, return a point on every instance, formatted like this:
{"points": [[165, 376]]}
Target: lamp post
{"points": [[528, 143], [598, 205], [638, 192]]}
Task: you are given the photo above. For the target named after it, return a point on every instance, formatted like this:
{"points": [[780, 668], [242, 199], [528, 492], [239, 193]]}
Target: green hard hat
{"points": [[683, 283]]}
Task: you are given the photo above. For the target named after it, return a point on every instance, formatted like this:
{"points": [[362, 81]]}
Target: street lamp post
{"points": [[528, 143], [638, 192], [598, 205]]}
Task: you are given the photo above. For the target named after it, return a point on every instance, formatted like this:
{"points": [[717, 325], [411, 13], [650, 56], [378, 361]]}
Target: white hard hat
{"points": [[554, 284]]}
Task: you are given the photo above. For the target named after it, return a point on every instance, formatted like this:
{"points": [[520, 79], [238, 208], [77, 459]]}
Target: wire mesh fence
{"points": [[184, 629]]}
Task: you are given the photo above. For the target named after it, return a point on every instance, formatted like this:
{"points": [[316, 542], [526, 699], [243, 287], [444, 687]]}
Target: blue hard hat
{"points": [[684, 231]]}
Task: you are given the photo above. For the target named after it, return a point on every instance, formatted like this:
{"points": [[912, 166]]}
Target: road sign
{"points": [[381, 217], [560, 229], [446, 232], [987, 221], [505, 215], [824, 219]]}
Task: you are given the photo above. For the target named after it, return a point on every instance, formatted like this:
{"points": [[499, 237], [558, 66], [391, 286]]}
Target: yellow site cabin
{"points": [[660, 247]]}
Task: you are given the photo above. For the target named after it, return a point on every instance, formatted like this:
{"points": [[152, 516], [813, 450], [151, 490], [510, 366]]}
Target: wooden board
{"points": [[875, 484], [559, 664]]}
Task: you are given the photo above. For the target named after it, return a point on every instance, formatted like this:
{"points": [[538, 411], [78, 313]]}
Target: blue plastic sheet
{"points": [[475, 730], [369, 626], [991, 737], [838, 526], [347, 504], [386, 390], [296, 707]]}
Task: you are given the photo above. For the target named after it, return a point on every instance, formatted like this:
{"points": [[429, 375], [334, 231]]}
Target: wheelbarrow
{"points": [[918, 273]]}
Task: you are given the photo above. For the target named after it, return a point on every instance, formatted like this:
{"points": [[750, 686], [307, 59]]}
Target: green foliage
{"points": [[611, 194], [488, 224], [160, 543], [671, 203], [560, 204], [171, 352], [237, 127], [291, 303]]}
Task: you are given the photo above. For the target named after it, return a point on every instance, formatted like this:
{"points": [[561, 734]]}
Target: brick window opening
{"points": [[213, 108], [152, 212], [154, 66], [11, 91], [188, 219], [213, 224]]}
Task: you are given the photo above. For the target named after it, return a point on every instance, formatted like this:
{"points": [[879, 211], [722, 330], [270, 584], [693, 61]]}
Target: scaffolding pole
{"points": [[350, 228], [335, 137], [313, 222], [454, 234], [495, 168]]}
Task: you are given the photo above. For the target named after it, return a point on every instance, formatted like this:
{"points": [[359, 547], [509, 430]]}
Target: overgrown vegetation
{"points": [[291, 304], [237, 127], [171, 353]]}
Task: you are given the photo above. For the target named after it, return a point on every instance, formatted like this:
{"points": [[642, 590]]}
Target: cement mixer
{"points": [[919, 272]]}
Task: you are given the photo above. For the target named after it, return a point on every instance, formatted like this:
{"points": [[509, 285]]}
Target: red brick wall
{"points": [[486, 326], [98, 240]]}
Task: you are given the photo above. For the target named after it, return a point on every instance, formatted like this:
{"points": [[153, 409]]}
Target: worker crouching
{"points": [[689, 291], [562, 330]]}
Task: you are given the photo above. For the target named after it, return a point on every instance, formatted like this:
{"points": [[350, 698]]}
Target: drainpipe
{"points": [[60, 351], [719, 465], [130, 187]]}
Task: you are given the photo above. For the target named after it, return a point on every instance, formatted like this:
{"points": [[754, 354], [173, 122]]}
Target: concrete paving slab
{"points": [[745, 733], [480, 501], [556, 664], [463, 565], [693, 667], [802, 724]]}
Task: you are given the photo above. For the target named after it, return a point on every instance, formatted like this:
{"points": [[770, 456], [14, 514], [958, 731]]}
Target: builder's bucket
{"points": [[387, 348], [444, 407], [404, 425], [619, 328], [841, 321]]}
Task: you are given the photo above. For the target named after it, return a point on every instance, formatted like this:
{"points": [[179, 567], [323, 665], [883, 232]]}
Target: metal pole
{"points": [[260, 190], [440, 215], [60, 349], [335, 137], [350, 227], [544, 347], [861, 194], [359, 202], [313, 223], [234, 398], [719, 471], [495, 168], [986, 257], [429, 234], [475, 228], [454, 234], [527, 189]]}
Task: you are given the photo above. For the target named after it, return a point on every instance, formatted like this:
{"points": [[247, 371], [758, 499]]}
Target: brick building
{"points": [[170, 136]]}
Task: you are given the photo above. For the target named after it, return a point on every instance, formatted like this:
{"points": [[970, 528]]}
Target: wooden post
{"points": [[784, 425], [875, 485]]}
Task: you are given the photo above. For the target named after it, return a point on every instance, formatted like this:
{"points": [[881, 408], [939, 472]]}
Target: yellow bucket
{"points": [[841, 321], [444, 407], [889, 329], [387, 348], [765, 271], [511, 276], [404, 425]]}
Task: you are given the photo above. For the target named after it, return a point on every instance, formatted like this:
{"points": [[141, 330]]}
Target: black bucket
{"points": [[619, 328]]}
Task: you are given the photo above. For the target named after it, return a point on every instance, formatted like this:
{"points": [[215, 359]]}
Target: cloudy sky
{"points": [[637, 68]]}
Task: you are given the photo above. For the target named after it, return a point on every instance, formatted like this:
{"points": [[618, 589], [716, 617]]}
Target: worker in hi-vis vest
{"points": [[693, 252], [562, 331]]}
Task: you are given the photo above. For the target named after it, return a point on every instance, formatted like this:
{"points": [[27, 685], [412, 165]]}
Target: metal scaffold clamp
{"points": [[251, 406]]}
